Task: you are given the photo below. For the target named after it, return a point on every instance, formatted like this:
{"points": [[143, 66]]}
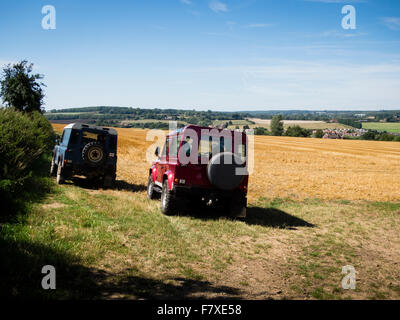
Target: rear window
{"points": [[90, 135], [209, 146]]}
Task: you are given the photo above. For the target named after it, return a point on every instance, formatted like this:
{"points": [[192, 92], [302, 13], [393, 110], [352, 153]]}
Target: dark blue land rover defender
{"points": [[86, 150]]}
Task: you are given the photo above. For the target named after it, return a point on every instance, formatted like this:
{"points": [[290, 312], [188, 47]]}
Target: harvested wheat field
{"points": [[296, 168]]}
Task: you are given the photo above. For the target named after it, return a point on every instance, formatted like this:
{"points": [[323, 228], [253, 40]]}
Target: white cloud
{"points": [[313, 85], [218, 6], [393, 23], [335, 34], [258, 25], [186, 1]]}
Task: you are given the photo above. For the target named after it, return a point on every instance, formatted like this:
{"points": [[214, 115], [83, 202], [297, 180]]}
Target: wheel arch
{"points": [[169, 175]]}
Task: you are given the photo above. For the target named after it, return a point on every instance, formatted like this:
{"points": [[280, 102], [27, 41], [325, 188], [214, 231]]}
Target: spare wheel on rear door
{"points": [[93, 153], [221, 171]]}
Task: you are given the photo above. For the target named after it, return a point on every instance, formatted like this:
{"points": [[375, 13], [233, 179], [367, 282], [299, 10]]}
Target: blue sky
{"points": [[209, 54]]}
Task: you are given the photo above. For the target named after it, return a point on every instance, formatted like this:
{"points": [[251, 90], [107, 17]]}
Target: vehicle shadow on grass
{"points": [[126, 186], [266, 217], [274, 218], [120, 185], [21, 278]]}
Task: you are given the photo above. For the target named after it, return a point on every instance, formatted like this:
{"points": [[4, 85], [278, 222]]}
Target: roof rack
{"points": [[80, 126]]}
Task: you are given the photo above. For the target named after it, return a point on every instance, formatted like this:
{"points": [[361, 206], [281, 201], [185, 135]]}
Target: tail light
{"points": [[243, 187]]}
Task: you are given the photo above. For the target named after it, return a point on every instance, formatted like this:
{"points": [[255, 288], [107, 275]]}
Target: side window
{"points": [[165, 148], [66, 135], [187, 146], [174, 146]]}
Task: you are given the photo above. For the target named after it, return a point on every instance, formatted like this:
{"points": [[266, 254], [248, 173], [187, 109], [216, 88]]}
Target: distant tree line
{"points": [[152, 125], [384, 115]]}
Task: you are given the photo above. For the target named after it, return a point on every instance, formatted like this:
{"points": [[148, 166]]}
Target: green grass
{"points": [[117, 244], [383, 126]]}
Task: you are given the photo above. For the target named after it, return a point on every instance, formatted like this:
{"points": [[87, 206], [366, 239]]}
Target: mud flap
{"points": [[238, 211], [238, 208], [109, 181]]}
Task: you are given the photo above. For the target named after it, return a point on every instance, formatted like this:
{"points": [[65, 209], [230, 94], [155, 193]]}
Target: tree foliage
{"points": [[297, 131], [351, 123], [261, 131], [24, 139], [277, 125], [319, 133], [20, 88]]}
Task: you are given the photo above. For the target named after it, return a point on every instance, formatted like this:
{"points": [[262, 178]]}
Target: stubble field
{"points": [[315, 206]]}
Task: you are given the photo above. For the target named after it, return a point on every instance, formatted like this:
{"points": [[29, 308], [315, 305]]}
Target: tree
{"points": [[246, 127], [319, 134], [20, 88], [277, 125], [369, 135], [297, 131], [260, 131]]}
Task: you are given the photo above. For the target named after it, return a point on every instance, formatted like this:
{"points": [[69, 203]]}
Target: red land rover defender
{"points": [[207, 165]]}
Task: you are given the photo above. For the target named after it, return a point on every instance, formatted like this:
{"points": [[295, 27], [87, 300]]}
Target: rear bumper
{"points": [[85, 170], [207, 192], [234, 201]]}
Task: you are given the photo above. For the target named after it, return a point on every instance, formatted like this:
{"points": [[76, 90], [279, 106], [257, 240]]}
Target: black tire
{"points": [[53, 168], [109, 181], [151, 194], [167, 200], [60, 175], [94, 154], [221, 171]]}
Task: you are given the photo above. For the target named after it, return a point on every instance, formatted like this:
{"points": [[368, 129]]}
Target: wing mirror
{"points": [[157, 152]]}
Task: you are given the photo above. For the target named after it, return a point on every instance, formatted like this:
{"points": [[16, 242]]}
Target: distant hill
{"points": [[135, 117], [156, 118]]}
